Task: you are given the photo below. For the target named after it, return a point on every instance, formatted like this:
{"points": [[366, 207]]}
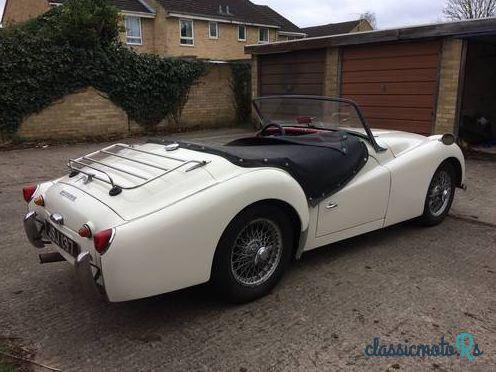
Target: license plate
{"points": [[61, 240]]}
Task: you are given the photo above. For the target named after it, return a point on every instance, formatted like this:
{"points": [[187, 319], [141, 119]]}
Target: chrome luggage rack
{"points": [[88, 161]]}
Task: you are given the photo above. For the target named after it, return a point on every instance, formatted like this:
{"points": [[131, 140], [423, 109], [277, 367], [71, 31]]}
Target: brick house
{"points": [[207, 29], [358, 25]]}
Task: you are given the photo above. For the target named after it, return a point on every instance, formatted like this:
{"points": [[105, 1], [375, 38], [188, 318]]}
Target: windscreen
{"points": [[309, 112]]}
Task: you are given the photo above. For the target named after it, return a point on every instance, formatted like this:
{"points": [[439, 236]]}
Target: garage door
{"points": [[292, 73], [395, 84]]}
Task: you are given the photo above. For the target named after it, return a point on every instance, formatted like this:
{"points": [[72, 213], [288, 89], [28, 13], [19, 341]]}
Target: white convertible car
{"points": [[137, 221]]}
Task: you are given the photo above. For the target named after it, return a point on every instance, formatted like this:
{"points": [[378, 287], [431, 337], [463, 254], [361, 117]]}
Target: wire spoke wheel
{"points": [[440, 193], [256, 252]]}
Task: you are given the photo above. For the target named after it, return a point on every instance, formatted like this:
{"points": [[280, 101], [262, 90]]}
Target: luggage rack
{"points": [[88, 161]]}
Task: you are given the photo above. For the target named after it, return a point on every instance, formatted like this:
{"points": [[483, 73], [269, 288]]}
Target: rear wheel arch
{"points": [[288, 220], [293, 215], [457, 166], [280, 204]]}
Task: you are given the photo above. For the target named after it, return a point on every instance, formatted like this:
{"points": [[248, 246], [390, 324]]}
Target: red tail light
{"points": [[102, 240], [28, 192]]}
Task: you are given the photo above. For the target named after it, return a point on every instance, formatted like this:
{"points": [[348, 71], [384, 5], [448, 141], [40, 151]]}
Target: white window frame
{"points": [[260, 41], [239, 28], [192, 38], [138, 39], [216, 36]]}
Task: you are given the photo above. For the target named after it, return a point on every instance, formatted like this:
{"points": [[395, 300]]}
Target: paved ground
{"points": [[404, 283]]}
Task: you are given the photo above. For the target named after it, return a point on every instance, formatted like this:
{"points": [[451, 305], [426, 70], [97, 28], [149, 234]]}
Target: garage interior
{"points": [[477, 125], [428, 79]]}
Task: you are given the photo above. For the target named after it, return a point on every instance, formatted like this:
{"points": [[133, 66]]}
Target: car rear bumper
{"points": [[87, 272]]}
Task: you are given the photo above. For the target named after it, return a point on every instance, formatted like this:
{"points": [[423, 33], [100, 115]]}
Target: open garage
{"points": [[430, 79]]}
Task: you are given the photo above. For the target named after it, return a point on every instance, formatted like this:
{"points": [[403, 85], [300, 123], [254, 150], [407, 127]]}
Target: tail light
{"points": [[85, 231], [39, 201], [102, 240], [28, 192]]}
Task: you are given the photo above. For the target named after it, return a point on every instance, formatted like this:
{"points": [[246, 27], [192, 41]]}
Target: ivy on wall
{"points": [[76, 46], [241, 88]]}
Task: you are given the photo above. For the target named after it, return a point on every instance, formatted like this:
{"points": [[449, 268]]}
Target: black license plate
{"points": [[68, 245]]}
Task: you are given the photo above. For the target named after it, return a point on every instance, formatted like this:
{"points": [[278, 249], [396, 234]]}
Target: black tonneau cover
{"points": [[322, 163]]}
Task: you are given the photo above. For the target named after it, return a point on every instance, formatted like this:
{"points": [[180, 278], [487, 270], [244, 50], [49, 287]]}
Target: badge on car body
{"points": [[68, 195]]}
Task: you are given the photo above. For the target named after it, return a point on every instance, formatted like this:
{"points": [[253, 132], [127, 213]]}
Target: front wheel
{"points": [[252, 254], [439, 196]]}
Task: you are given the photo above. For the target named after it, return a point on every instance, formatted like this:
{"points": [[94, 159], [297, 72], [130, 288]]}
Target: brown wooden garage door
{"points": [[292, 73], [395, 84]]}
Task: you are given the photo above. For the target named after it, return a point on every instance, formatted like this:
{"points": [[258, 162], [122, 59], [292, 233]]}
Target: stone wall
{"points": [[89, 113]]}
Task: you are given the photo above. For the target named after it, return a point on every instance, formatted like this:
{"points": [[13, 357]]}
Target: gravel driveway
{"points": [[405, 283]]}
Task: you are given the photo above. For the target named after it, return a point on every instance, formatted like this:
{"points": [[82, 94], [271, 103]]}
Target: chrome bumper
{"points": [[33, 229], [84, 273], [83, 262]]}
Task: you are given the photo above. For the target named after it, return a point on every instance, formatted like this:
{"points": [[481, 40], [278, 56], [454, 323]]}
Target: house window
{"points": [[186, 27], [213, 30], [242, 33], [133, 30], [263, 35]]}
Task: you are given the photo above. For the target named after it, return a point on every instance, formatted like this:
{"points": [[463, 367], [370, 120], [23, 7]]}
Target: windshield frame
{"points": [[368, 132]]}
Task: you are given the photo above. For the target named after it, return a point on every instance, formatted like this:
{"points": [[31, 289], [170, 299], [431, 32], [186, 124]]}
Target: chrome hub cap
{"points": [[440, 193], [256, 253]]}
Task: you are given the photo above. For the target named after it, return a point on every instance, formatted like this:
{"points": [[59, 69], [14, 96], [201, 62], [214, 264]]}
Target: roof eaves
{"points": [[430, 31], [218, 18]]}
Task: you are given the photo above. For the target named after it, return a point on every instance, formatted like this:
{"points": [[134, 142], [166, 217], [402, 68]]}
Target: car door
{"points": [[362, 201]]}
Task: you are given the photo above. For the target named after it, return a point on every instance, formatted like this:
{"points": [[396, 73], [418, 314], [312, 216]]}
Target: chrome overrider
{"points": [[83, 262]]}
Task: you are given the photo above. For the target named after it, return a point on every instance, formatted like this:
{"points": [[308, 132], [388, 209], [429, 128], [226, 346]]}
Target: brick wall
{"points": [[226, 47], [449, 81], [147, 37], [211, 101], [21, 10], [332, 73], [88, 113]]}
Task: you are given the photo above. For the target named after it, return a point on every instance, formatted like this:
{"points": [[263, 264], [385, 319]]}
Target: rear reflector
{"points": [[28, 192], [102, 240]]}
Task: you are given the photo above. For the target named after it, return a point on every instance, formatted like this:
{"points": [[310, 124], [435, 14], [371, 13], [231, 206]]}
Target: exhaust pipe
{"points": [[51, 257]]}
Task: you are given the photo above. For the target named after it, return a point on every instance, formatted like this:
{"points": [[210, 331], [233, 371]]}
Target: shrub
{"points": [[75, 46], [241, 87]]}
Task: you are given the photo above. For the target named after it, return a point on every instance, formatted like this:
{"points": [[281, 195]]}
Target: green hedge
{"points": [[241, 87], [75, 46]]}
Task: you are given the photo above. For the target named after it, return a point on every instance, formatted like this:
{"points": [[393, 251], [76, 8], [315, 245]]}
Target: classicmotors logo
{"points": [[464, 347]]}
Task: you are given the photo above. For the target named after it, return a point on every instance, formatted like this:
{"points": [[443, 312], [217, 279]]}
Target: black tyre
{"points": [[440, 195], [253, 254]]}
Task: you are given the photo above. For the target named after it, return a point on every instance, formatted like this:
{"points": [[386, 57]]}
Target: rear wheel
{"points": [[252, 254], [439, 196]]}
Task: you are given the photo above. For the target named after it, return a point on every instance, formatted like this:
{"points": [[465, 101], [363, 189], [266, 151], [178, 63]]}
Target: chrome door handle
{"points": [[332, 205]]}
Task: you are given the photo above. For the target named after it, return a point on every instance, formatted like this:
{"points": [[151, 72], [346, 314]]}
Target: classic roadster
{"points": [[141, 220]]}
